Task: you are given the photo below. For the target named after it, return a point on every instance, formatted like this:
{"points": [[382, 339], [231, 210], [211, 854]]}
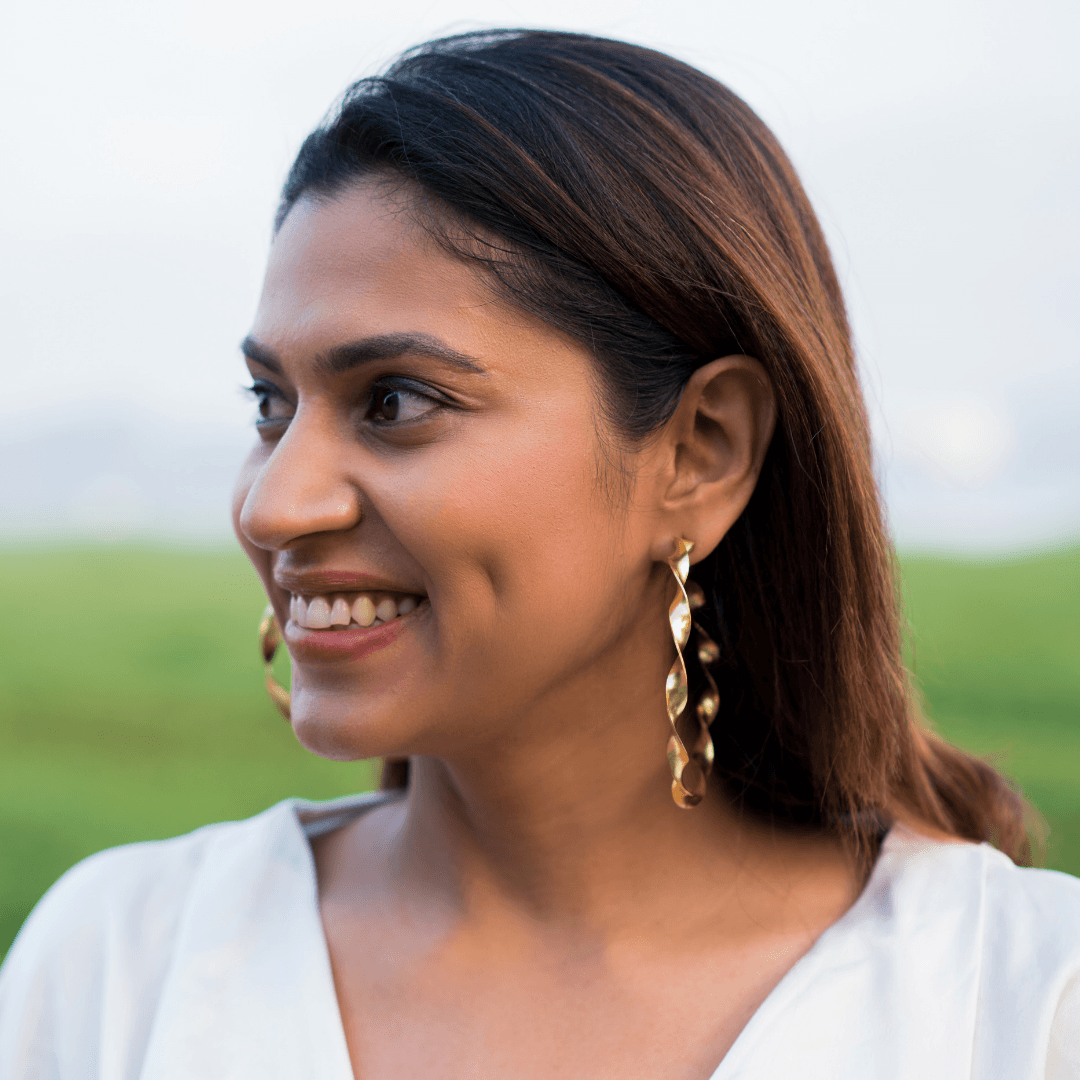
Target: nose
{"points": [[301, 489]]}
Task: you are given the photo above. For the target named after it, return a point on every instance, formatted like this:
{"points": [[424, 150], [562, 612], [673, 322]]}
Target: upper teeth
{"points": [[367, 609]]}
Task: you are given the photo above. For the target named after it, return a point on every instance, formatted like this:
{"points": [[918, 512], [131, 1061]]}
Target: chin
{"points": [[334, 728]]}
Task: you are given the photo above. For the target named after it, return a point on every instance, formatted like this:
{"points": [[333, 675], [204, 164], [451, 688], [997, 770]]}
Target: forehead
{"points": [[358, 255], [360, 264]]}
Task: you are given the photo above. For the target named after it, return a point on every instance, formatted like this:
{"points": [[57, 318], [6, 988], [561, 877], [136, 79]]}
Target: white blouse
{"points": [[203, 958]]}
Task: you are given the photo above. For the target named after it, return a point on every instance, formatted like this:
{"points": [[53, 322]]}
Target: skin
{"points": [[536, 906]]}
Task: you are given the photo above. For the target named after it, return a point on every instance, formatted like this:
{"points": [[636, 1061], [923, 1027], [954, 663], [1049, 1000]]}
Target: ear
{"points": [[711, 452]]}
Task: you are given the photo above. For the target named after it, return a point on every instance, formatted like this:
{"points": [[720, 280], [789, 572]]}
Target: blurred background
{"points": [[143, 149]]}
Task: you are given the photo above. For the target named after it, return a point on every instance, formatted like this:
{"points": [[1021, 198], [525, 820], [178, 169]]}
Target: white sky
{"points": [[143, 146]]}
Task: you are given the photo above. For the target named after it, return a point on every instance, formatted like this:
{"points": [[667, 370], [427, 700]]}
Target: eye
{"points": [[394, 404], [273, 407]]}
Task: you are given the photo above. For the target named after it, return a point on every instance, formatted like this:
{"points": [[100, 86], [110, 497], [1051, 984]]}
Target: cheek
{"points": [[513, 532]]}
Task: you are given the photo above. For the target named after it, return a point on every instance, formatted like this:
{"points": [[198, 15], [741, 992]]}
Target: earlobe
{"points": [[718, 439]]}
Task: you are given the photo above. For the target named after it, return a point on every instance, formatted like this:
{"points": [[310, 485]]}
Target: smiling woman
{"points": [[553, 377]]}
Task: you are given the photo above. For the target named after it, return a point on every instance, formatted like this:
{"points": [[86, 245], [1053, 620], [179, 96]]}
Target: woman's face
{"points": [[428, 457]]}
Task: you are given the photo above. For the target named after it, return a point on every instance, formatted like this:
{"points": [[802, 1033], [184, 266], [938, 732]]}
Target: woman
{"points": [[550, 353]]}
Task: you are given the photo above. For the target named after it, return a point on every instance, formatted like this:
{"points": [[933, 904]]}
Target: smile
{"points": [[342, 611]]}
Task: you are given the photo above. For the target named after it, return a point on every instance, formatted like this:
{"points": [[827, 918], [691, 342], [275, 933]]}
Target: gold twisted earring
{"points": [[269, 640], [689, 769]]}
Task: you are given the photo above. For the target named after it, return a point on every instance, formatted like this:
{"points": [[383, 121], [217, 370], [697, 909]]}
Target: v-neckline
{"points": [[326, 817], [310, 820], [802, 972]]}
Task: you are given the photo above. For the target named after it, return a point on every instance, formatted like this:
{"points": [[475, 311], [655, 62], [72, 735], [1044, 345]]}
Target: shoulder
{"points": [[116, 883], [1011, 934], [135, 889], [100, 942], [125, 887], [1026, 909], [1011, 909], [952, 962]]}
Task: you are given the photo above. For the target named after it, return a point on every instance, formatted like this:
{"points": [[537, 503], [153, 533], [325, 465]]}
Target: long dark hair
{"points": [[643, 208]]}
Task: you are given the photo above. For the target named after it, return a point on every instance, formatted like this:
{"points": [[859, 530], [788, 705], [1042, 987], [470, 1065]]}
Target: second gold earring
{"points": [[269, 640]]}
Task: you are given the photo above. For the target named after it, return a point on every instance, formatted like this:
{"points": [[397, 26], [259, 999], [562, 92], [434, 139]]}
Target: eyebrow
{"points": [[353, 354]]}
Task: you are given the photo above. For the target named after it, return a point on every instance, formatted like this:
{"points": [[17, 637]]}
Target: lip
{"points": [[330, 646], [318, 582]]}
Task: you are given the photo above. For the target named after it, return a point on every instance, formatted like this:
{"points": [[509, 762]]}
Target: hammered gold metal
{"points": [[689, 769], [269, 640]]}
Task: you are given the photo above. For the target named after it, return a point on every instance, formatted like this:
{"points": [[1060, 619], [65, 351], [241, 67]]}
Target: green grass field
{"points": [[132, 704]]}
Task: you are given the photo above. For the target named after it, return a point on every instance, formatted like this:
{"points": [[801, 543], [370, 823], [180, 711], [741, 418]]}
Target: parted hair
{"points": [[641, 207]]}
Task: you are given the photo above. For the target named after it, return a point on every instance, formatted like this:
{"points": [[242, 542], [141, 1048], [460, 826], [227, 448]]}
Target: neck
{"points": [[581, 834], [557, 849], [608, 862], [569, 821]]}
